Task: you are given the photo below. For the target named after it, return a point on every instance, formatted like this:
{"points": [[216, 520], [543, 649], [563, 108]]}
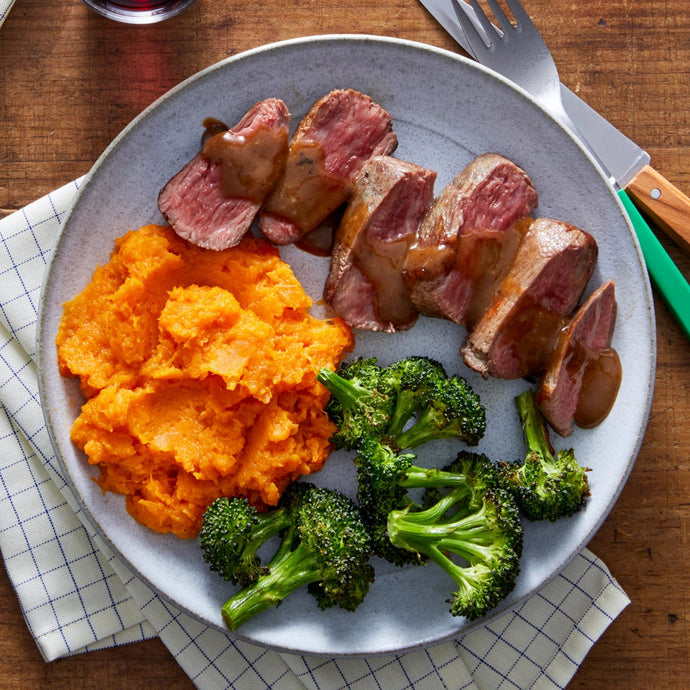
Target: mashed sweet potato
{"points": [[199, 370]]}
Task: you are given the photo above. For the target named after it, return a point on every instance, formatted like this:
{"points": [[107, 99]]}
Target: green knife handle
{"points": [[668, 280]]}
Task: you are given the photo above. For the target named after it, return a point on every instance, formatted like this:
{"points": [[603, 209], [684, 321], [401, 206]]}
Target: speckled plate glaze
{"points": [[446, 110]]}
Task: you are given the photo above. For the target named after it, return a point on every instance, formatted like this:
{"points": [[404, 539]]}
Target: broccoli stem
{"points": [[287, 572], [534, 429], [426, 533], [348, 393], [423, 430], [423, 477], [414, 529], [267, 525], [406, 405]]}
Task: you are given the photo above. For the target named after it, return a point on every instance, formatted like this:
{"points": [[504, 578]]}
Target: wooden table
{"points": [[71, 80]]}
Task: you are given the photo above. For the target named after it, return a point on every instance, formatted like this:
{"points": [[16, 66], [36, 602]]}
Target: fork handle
{"points": [[667, 278], [663, 203]]}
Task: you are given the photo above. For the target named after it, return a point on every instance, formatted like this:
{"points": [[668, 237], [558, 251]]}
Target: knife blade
{"points": [[630, 166]]}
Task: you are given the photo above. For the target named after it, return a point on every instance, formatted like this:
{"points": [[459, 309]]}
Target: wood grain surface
{"points": [[70, 80]]}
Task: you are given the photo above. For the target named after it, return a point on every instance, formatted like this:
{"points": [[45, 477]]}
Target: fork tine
{"points": [[519, 12], [483, 19], [477, 40], [500, 15]]}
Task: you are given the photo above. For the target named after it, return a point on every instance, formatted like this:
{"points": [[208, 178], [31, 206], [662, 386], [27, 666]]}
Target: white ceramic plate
{"points": [[446, 110]]}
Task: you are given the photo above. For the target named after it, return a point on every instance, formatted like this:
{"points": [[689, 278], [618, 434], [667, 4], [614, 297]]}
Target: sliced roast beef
{"points": [[583, 375], [466, 243], [213, 200], [339, 133], [543, 287], [365, 284]]}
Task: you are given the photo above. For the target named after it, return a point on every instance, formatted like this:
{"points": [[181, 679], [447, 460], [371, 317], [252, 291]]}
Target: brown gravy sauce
{"points": [[307, 192], [211, 127], [426, 262], [534, 332], [250, 165], [381, 263], [601, 379], [488, 257]]}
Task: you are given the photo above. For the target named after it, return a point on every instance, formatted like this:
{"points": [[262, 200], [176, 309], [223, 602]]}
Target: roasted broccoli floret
{"points": [[409, 402], [361, 401], [473, 532], [231, 533], [441, 406], [381, 477], [411, 377], [325, 546], [547, 487], [385, 478], [414, 513]]}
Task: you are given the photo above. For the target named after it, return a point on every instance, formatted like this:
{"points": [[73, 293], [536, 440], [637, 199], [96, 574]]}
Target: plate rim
{"points": [[204, 73]]}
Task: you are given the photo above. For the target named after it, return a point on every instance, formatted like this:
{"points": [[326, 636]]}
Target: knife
{"points": [[666, 205]]}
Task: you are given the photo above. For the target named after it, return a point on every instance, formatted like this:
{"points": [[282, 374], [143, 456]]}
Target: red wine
{"points": [[138, 11]]}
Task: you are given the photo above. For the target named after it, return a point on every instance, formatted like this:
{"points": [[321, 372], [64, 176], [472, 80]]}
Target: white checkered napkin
{"points": [[77, 596], [5, 7], [70, 596]]}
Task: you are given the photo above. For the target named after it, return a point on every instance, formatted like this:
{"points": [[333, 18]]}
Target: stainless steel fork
{"points": [[518, 52]]}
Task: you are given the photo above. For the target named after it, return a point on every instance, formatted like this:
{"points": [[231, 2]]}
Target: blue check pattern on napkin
{"points": [[5, 7], [77, 596]]}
